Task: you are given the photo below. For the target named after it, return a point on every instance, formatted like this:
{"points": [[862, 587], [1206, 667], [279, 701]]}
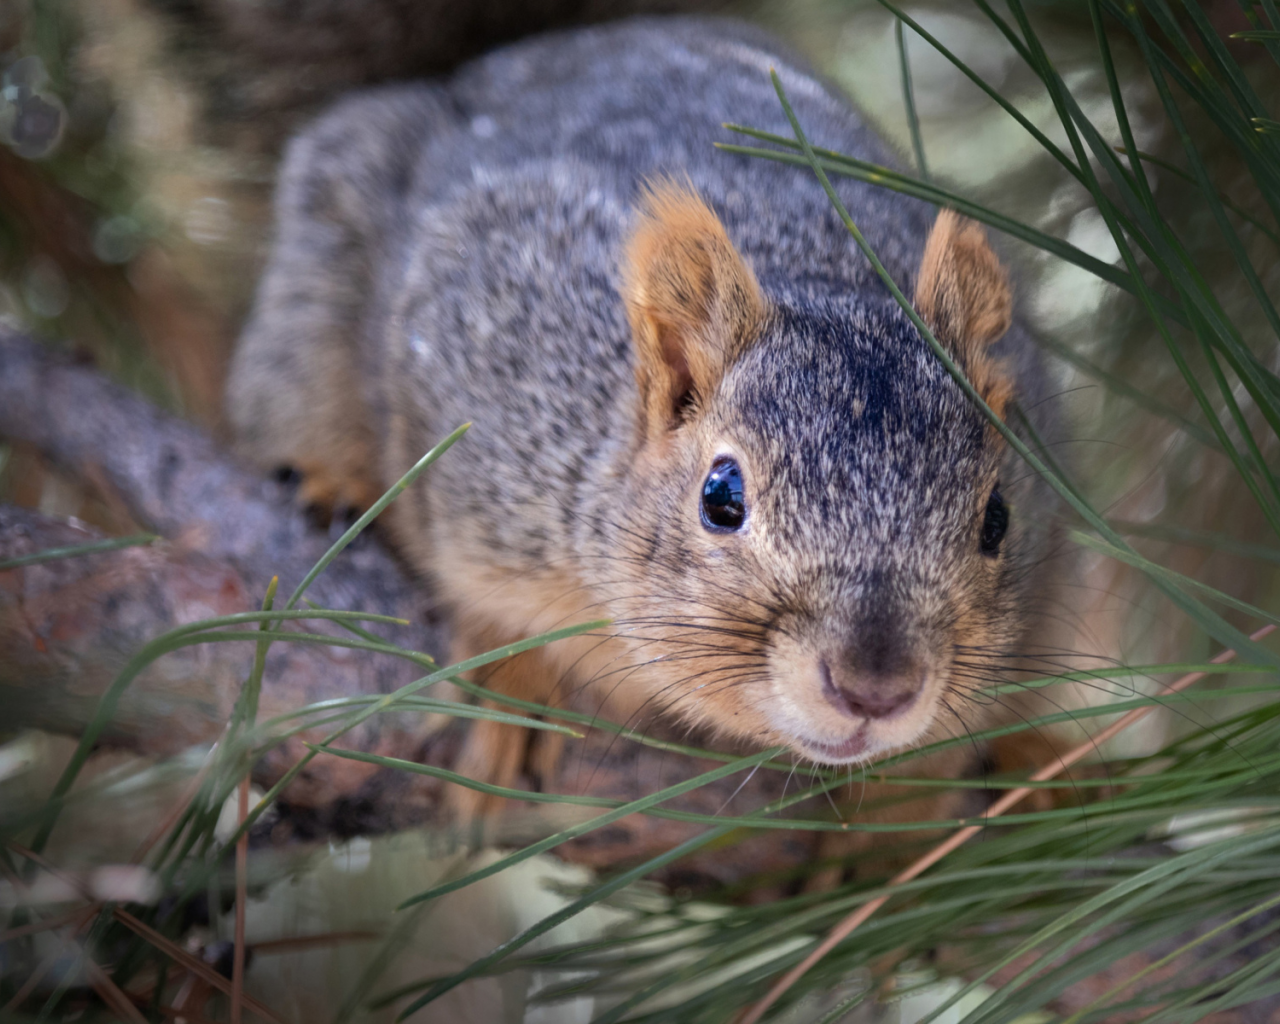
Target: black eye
{"points": [[723, 504], [994, 524]]}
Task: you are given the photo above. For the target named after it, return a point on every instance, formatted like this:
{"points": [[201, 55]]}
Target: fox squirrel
{"points": [[697, 411]]}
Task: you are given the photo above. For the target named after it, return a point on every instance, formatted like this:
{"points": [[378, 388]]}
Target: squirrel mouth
{"points": [[851, 749]]}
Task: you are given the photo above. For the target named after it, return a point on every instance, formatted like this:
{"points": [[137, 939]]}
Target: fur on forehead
{"points": [[839, 400]]}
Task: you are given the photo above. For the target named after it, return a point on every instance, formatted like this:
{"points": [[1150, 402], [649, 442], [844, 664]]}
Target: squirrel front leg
{"points": [[497, 753]]}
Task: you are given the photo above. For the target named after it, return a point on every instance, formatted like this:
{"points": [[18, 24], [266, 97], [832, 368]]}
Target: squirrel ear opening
{"points": [[962, 293], [694, 305]]}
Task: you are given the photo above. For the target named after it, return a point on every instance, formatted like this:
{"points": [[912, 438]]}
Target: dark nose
{"points": [[868, 694]]}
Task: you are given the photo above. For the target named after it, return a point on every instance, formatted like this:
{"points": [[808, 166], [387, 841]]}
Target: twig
{"points": [[842, 930], [84, 916], [111, 993], [80, 919], [193, 964], [40, 926], [37, 976]]}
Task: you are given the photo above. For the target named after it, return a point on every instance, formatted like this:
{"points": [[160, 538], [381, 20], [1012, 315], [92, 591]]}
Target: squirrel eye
{"points": [[994, 524], [723, 501]]}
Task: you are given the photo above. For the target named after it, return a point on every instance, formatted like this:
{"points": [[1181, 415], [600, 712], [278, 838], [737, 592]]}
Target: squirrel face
{"points": [[832, 548]]}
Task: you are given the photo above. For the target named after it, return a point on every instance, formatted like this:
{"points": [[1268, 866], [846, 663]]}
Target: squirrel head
{"points": [[819, 551]]}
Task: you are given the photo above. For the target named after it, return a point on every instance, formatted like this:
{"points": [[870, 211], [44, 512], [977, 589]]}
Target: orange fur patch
{"points": [[693, 302]]}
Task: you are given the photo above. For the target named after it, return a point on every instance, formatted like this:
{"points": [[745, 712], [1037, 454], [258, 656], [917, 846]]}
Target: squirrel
{"points": [[697, 411]]}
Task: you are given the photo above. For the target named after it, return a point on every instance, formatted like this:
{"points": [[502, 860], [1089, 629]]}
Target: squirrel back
{"points": [[697, 410]]}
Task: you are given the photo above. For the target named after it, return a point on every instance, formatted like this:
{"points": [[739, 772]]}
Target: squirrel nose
{"points": [[870, 695]]}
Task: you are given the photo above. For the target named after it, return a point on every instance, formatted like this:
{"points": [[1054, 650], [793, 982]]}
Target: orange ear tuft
{"points": [[963, 294], [693, 303]]}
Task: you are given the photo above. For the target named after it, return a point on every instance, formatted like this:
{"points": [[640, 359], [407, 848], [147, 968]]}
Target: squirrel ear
{"points": [[963, 294], [694, 305]]}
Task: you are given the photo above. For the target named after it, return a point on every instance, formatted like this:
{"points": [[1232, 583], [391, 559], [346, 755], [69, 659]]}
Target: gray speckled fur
{"points": [[454, 248]]}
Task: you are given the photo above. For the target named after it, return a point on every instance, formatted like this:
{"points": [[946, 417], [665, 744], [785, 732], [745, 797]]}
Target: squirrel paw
{"points": [[331, 499]]}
